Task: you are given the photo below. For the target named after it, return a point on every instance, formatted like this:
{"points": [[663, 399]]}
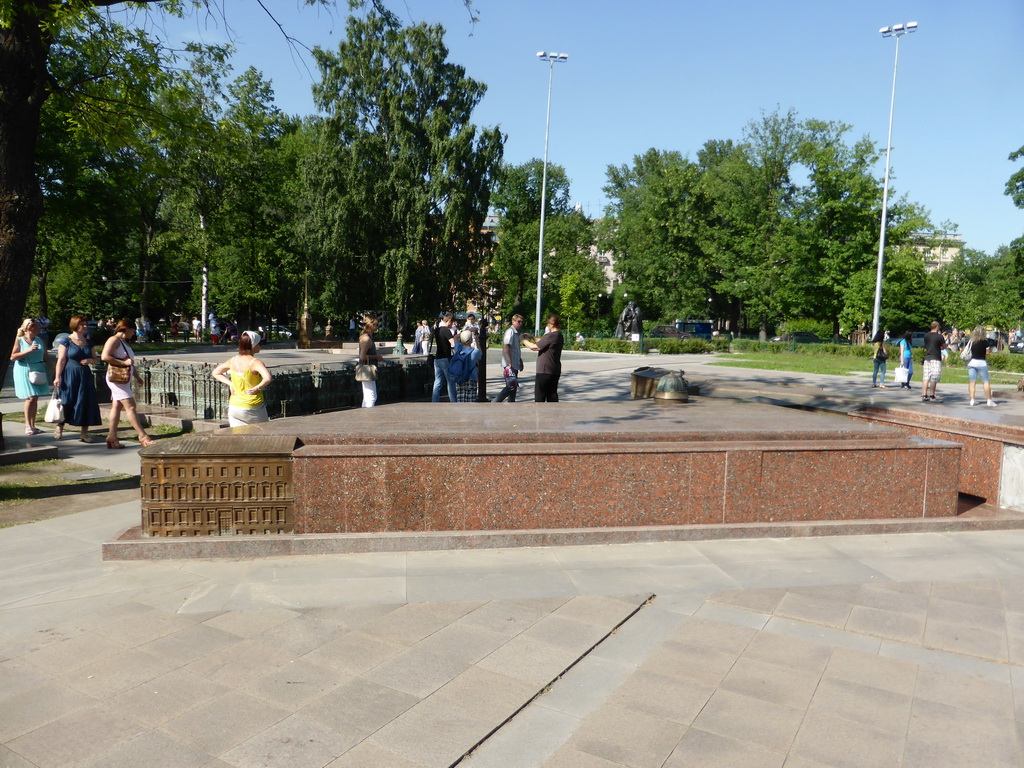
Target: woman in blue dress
{"points": [[74, 381], [29, 371]]}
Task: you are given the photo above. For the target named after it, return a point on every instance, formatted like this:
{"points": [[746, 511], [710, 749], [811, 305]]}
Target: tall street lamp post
{"points": [[551, 58], [897, 31]]}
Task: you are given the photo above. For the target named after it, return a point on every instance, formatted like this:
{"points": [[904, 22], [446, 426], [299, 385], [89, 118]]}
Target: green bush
{"points": [[777, 348], [620, 346], [682, 346]]}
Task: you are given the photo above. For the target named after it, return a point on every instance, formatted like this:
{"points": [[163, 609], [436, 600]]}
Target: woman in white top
{"points": [[117, 354]]}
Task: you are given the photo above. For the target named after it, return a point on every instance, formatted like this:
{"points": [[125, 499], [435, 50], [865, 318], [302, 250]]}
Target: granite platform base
{"points": [[992, 459], [135, 546], [427, 468]]}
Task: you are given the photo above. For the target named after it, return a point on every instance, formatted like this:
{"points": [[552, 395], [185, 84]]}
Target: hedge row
{"points": [[997, 361], [665, 346], [777, 348]]}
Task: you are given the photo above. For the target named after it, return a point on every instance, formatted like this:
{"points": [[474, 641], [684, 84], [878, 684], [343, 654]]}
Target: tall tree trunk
{"points": [[734, 317], [23, 51], [44, 303], [145, 267]]}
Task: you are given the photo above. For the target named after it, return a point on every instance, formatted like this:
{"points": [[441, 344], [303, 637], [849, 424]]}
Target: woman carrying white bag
{"points": [[906, 369]]}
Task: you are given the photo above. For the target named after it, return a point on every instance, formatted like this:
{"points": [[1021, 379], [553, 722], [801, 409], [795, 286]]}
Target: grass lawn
{"points": [[44, 489], [836, 365], [39, 479]]}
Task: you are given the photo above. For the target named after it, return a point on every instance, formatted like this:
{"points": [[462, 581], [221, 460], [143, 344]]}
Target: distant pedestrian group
{"points": [[937, 345]]}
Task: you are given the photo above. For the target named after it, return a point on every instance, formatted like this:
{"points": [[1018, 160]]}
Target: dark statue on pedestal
{"points": [[630, 321]]}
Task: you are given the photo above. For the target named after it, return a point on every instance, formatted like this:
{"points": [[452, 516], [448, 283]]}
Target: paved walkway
{"points": [[901, 650]]}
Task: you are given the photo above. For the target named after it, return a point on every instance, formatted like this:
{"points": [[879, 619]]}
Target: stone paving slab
{"points": [[733, 619], [760, 676], [779, 700], [420, 682]]}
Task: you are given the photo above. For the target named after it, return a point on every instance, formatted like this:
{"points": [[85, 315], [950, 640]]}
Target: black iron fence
{"points": [[293, 391]]}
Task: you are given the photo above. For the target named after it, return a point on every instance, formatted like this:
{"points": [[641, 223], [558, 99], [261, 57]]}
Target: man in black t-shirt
{"points": [[933, 346], [443, 354]]}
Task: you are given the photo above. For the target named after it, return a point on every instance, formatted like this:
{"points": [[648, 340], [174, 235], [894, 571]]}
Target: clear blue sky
{"points": [[673, 74]]}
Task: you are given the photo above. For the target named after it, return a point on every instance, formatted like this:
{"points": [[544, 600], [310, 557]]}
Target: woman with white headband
{"points": [[248, 378]]}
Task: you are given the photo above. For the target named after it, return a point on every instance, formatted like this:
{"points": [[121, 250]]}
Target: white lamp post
{"points": [[551, 58], [897, 31]]}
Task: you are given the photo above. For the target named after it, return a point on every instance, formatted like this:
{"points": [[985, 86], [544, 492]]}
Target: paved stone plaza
{"points": [[868, 650]]}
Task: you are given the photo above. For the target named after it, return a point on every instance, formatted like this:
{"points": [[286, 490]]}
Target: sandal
{"points": [[85, 439], [58, 432], [114, 444], [145, 441], [32, 431]]}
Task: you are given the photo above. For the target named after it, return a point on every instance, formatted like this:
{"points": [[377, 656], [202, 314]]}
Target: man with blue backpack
{"points": [[463, 365]]}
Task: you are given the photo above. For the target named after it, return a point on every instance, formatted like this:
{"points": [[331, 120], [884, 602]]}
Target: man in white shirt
{"points": [[511, 359]]}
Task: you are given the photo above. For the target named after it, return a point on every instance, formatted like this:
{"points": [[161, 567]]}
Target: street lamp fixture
{"points": [[897, 31], [551, 59]]}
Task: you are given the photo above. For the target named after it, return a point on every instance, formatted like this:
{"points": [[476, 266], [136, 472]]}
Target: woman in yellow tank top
{"points": [[247, 377]]}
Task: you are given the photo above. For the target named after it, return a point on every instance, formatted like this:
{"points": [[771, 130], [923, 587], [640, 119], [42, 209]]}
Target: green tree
{"points": [[31, 32], [909, 302], [517, 192], [512, 272], [399, 178], [1001, 296], [574, 279], [1015, 185], [100, 180], [653, 226], [753, 197], [838, 212], [1015, 189], [257, 268]]}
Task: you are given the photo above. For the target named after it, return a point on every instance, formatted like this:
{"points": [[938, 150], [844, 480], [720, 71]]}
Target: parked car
{"points": [[917, 339], [668, 332], [799, 337], [280, 332], [699, 328]]}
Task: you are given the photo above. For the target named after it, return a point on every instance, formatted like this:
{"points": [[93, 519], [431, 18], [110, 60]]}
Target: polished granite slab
{"points": [[992, 455], [438, 467]]}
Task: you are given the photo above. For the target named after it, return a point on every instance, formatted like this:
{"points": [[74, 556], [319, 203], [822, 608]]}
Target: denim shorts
{"points": [[975, 370]]}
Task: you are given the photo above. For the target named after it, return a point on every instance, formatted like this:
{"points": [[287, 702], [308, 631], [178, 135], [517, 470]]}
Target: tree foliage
{"points": [[574, 279], [399, 177], [780, 225], [654, 230], [1015, 185]]}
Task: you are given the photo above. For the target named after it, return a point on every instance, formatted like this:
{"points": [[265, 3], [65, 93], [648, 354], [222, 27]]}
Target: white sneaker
{"points": [[991, 403], [973, 403]]}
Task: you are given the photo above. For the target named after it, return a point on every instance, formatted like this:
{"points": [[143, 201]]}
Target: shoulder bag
{"points": [[366, 372], [117, 374], [965, 353], [55, 409]]}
